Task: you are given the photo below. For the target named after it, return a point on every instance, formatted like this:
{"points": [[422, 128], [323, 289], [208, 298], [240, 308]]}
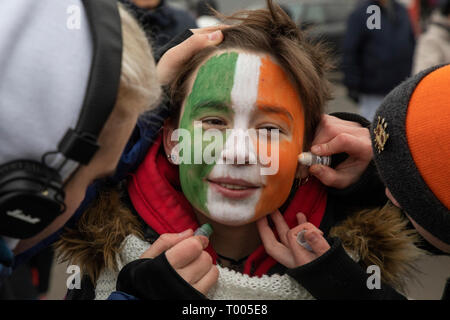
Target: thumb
{"points": [[165, 242], [174, 58]]}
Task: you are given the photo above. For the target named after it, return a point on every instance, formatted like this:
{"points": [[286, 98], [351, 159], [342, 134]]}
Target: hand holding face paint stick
{"points": [[335, 136], [185, 253], [288, 251]]}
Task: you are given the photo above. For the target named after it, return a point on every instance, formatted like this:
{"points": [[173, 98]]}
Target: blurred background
{"points": [[368, 66]]}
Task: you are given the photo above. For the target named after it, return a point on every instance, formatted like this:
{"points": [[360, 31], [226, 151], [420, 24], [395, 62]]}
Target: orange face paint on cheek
{"points": [[275, 89]]}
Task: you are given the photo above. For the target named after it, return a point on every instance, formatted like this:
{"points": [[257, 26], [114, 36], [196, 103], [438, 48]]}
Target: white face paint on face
{"points": [[225, 206], [243, 96]]}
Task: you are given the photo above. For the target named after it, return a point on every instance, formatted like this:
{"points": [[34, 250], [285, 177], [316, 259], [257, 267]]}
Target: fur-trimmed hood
{"points": [[381, 237], [371, 237]]}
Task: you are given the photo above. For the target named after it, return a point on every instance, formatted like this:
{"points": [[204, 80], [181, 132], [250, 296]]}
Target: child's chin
{"points": [[231, 221]]}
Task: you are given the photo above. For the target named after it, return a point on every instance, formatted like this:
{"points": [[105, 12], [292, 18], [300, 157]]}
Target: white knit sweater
{"points": [[230, 286]]}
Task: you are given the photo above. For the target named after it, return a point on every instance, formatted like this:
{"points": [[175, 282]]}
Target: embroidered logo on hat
{"points": [[381, 136]]}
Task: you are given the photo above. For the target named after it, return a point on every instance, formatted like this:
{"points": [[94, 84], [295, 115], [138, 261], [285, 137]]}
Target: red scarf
{"points": [[156, 194]]}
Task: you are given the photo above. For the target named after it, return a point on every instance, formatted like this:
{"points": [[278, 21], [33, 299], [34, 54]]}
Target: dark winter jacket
{"points": [[377, 60], [161, 24]]}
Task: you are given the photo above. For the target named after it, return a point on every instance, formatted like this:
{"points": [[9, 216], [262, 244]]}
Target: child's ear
{"points": [[169, 144]]}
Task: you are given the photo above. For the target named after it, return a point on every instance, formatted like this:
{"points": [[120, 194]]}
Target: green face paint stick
{"points": [[205, 230]]}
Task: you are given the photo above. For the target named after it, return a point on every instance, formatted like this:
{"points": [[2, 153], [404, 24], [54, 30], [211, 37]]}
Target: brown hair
{"points": [[96, 240], [270, 31]]}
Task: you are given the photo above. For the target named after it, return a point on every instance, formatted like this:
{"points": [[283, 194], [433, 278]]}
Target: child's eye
{"points": [[214, 122], [267, 129]]}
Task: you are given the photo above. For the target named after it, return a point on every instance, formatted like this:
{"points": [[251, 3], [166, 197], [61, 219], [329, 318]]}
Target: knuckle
{"points": [[363, 132], [199, 39], [206, 258], [343, 138], [329, 179], [310, 226], [165, 237], [292, 233], [194, 245], [328, 128]]}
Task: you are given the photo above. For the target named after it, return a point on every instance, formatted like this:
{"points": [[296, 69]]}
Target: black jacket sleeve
{"points": [[155, 279], [335, 276]]}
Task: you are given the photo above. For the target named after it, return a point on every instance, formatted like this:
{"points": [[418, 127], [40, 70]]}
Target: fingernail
{"points": [[316, 169], [184, 233], [204, 241], [316, 149], [214, 36], [312, 237]]}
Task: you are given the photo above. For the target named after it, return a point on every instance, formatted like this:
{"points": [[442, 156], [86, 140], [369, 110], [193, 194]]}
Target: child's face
{"points": [[236, 98]]}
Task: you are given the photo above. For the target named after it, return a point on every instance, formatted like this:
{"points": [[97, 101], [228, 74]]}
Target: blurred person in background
{"points": [[161, 22], [433, 46], [376, 60], [205, 16]]}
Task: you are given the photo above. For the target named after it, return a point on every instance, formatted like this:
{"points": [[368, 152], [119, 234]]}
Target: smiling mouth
{"points": [[233, 188]]}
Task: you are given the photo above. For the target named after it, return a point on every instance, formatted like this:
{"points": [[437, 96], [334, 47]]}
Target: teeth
{"points": [[232, 186]]}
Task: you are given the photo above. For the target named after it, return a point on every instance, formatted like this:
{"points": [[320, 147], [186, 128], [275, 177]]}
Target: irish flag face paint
{"points": [[234, 93]]}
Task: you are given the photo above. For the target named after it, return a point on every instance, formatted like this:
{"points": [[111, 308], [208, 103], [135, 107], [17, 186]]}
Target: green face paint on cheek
{"points": [[213, 83]]}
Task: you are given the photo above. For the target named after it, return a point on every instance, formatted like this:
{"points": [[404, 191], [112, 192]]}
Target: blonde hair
{"points": [[139, 87], [139, 91]]}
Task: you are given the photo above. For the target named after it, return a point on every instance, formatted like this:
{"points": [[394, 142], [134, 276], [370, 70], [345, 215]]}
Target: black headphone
{"points": [[31, 193]]}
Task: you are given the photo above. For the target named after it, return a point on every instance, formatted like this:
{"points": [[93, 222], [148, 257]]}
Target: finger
{"points": [[174, 58], [300, 254], [265, 232], [306, 226], [273, 247], [165, 242], [317, 242], [344, 175], [209, 29], [301, 218], [331, 126], [184, 252], [209, 280], [358, 144], [197, 269], [331, 177], [281, 226]]}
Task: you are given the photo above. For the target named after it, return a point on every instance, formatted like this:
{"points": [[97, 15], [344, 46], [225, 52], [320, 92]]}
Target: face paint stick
{"points": [[205, 230], [301, 240], [309, 159]]}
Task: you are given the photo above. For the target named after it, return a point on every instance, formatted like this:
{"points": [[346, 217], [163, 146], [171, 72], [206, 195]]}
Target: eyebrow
{"points": [[211, 104], [276, 109]]}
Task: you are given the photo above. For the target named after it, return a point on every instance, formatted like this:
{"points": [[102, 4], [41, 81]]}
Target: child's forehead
{"points": [[224, 62], [244, 81], [235, 66]]}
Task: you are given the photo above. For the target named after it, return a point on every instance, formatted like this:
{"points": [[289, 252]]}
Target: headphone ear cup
{"points": [[31, 197]]}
